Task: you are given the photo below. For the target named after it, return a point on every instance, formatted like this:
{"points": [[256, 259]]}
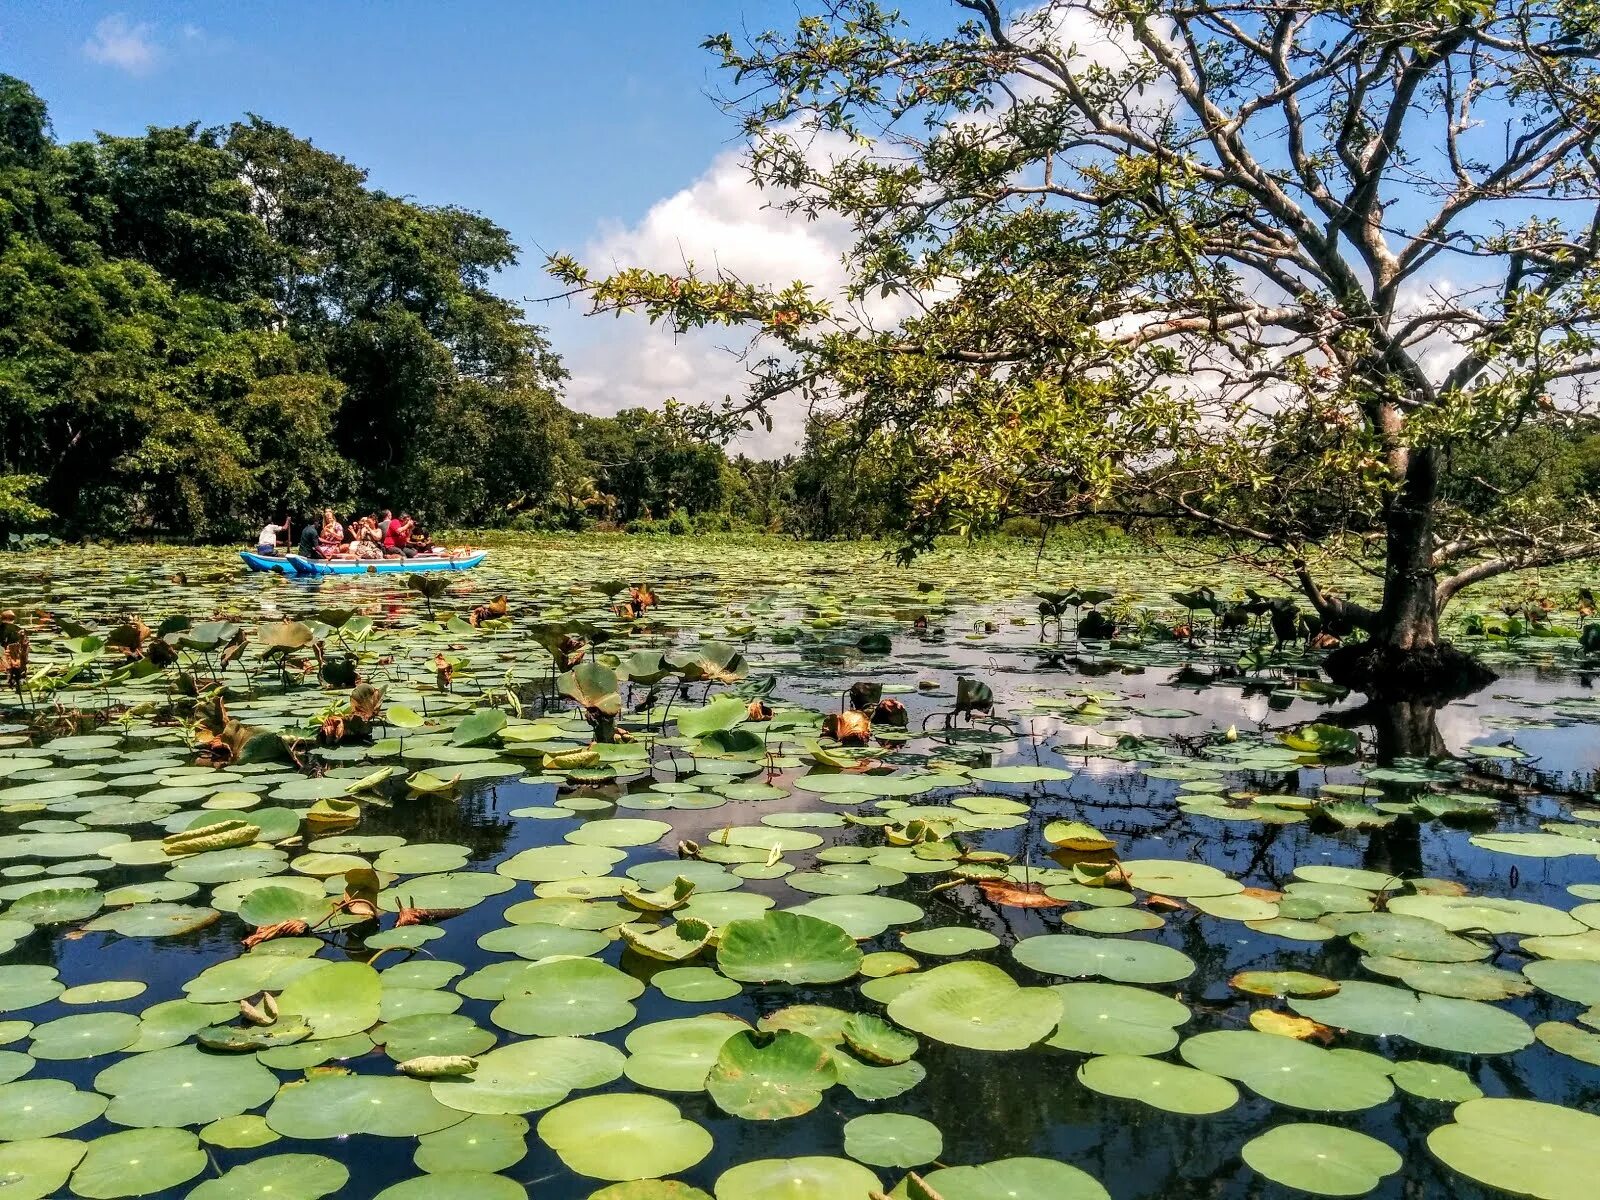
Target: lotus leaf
{"points": [[84, 1036], [1014, 1178], [567, 996], [858, 916], [335, 1106], [1526, 1147], [1114, 1019], [786, 947], [1289, 1072], [809, 1178], [37, 1168], [975, 1005], [1162, 1085], [138, 1162], [768, 1077], [278, 1177], [1321, 1159], [623, 1137], [456, 1185], [528, 1076], [1465, 1026], [1122, 960], [183, 1086], [694, 985], [892, 1140], [480, 1143], [676, 1056]]}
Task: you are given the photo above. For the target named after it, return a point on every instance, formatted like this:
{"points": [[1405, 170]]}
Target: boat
{"points": [[307, 568]]}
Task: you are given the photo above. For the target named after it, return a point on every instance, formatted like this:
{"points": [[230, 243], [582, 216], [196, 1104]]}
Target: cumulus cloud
{"points": [[720, 222], [124, 44]]}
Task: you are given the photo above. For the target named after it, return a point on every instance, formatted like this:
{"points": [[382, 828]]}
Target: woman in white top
{"points": [[267, 543]]}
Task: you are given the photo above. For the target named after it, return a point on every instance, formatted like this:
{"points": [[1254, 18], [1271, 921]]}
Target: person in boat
{"points": [[419, 541], [364, 543], [397, 538], [330, 542], [310, 539], [267, 542], [385, 519]]}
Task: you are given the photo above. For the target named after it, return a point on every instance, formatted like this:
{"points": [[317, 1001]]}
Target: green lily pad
{"points": [[1296, 1074], [277, 1177], [43, 1108], [976, 1005], [455, 1185], [138, 1162], [183, 1086], [37, 1168], [676, 1056], [623, 1137], [949, 941], [1123, 960], [335, 1106], [1018, 1178], [694, 985], [342, 998], [892, 1140], [1525, 1147], [1114, 1019], [85, 1035], [482, 1142], [808, 1178], [1465, 1026], [1162, 1085], [786, 947], [567, 996], [1434, 1081], [768, 1077], [528, 1076], [1321, 1159]]}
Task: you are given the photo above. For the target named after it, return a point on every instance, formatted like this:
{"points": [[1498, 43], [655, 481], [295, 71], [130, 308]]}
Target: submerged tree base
{"points": [[1438, 673]]}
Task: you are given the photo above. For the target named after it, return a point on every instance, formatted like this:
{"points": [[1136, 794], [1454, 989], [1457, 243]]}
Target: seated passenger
{"points": [[310, 537], [398, 538], [331, 541]]}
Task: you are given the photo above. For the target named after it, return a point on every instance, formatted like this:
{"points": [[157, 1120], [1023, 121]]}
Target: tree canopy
{"points": [[1265, 269], [201, 328]]}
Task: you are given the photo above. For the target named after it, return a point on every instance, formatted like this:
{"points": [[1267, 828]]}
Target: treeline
{"points": [[203, 328]]}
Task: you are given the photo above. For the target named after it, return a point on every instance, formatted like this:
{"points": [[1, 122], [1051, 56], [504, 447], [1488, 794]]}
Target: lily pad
{"points": [[1162, 1085], [138, 1162], [623, 1137], [786, 947], [1525, 1147], [976, 1005], [768, 1077], [1321, 1159]]}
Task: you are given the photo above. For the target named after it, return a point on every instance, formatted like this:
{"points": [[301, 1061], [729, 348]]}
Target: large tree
{"points": [[1261, 267], [202, 328]]}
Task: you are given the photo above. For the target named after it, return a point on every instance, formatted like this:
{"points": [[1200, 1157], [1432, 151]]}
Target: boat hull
{"points": [[293, 564]]}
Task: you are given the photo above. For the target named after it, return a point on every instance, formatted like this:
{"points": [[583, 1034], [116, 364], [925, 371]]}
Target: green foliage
{"points": [[1158, 283], [202, 328]]}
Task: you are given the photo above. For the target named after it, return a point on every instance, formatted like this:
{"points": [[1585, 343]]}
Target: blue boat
{"points": [[306, 568]]}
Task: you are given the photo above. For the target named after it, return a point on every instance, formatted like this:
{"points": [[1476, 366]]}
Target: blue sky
{"points": [[571, 124]]}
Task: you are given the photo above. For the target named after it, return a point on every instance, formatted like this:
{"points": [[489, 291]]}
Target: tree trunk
{"points": [[1408, 619], [1404, 657]]}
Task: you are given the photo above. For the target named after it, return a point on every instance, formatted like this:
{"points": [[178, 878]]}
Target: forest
{"points": [[204, 328]]}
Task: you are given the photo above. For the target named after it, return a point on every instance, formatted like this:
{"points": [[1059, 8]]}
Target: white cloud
{"points": [[720, 222], [123, 44]]}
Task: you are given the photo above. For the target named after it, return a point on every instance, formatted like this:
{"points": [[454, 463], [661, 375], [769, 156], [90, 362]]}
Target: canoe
{"points": [[293, 564]]}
